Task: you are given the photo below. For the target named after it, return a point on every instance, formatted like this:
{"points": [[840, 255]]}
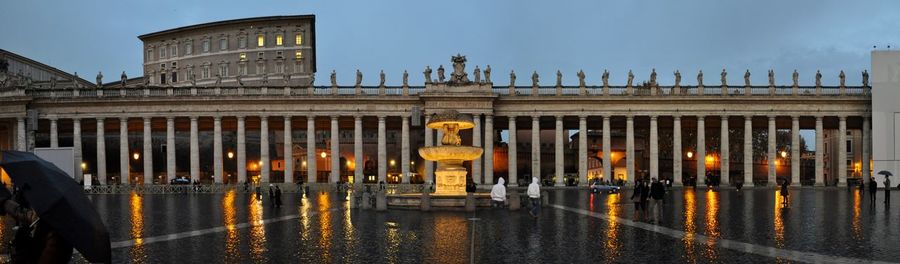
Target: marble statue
{"points": [[219, 79], [653, 76], [312, 80], [124, 78], [512, 78], [535, 79], [286, 78], [440, 72], [677, 78], [605, 77], [75, 81], [265, 78], [381, 79], [358, 77], [747, 78], [700, 78], [99, 79], [239, 79], [427, 73], [405, 78], [842, 77], [558, 78], [581, 78], [477, 74], [193, 78], [630, 78], [487, 74], [795, 77], [818, 78], [53, 81], [865, 78], [459, 75], [724, 75], [146, 80], [333, 78], [771, 77]]}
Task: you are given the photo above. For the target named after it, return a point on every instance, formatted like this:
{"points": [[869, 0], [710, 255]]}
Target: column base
{"points": [[819, 184], [795, 184], [842, 184]]}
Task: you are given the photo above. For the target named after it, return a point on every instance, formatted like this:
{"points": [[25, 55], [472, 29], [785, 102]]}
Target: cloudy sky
{"points": [[100, 35]]}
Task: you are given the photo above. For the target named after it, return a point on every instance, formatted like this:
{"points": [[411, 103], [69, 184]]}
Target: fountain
{"points": [[450, 176]]}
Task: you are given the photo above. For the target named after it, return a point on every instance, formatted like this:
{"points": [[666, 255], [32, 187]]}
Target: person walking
{"points": [[873, 189], [887, 190], [498, 193], [636, 199], [738, 184], [784, 193], [657, 192], [534, 193], [471, 187], [34, 240], [258, 193], [271, 195], [277, 196]]}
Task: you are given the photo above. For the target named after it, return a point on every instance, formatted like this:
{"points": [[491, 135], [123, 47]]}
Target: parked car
{"points": [[180, 180], [598, 187]]}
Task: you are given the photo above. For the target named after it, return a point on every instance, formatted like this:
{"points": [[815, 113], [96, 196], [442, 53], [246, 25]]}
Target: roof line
{"points": [[224, 22]]}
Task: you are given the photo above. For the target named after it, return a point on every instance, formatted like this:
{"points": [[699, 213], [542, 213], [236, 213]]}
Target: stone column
{"points": [[170, 149], [288, 151], [148, 151], [265, 169], [124, 171], [241, 150], [535, 147], [795, 151], [20, 134], [218, 163], [820, 153], [842, 151], [676, 151], [76, 148], [311, 171], [382, 149], [476, 142], [358, 149], [654, 148], [101, 151], [54, 134], [724, 155], [748, 150], [629, 148], [335, 149], [701, 151], [582, 150], [404, 150], [195, 150], [488, 150], [866, 148], [771, 152], [512, 153], [429, 141], [607, 156], [558, 153]]}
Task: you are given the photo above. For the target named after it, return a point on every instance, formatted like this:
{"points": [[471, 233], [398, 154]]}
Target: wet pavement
{"points": [[698, 226]]}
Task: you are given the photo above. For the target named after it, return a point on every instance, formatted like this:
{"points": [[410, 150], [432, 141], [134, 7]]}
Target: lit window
{"points": [[298, 39], [298, 55], [243, 56], [278, 39], [206, 46], [261, 40]]}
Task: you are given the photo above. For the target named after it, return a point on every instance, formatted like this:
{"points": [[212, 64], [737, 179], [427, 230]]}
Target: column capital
{"points": [[100, 119], [147, 119], [748, 117], [193, 118], [511, 117], [725, 117], [217, 118], [240, 118], [476, 117], [52, 118], [335, 117], [381, 118], [582, 117], [606, 117], [535, 117], [700, 118], [488, 117], [771, 117], [842, 117], [795, 117], [819, 118], [405, 117], [288, 117], [559, 117], [629, 117], [125, 119], [263, 117], [676, 118], [357, 117], [653, 117], [310, 117]]}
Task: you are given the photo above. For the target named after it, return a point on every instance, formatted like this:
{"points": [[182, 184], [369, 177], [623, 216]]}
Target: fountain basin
{"points": [[439, 153]]}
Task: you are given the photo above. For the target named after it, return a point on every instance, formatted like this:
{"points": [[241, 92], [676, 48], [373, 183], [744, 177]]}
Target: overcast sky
{"points": [[94, 35]]}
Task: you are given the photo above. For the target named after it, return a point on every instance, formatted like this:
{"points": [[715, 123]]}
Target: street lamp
{"points": [[783, 154], [690, 154], [136, 156], [230, 155]]}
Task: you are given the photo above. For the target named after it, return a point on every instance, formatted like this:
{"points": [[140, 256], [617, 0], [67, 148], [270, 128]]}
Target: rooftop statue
{"points": [[312, 79], [381, 78], [265, 78], [605, 77], [146, 80], [99, 79], [487, 74], [795, 77], [286, 78], [512, 78], [358, 77], [124, 78], [700, 78], [653, 77], [405, 78], [53, 81], [724, 75], [677, 78], [459, 75], [534, 79], [747, 78], [427, 73], [558, 78], [441, 73], [219, 79], [842, 77], [239, 79], [630, 78], [581, 78], [771, 77], [865, 78], [818, 78], [333, 78], [75, 81], [477, 74], [193, 79]]}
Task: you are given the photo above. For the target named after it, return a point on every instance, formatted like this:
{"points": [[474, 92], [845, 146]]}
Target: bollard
{"points": [[365, 203], [381, 201], [515, 202], [470, 202], [425, 202]]}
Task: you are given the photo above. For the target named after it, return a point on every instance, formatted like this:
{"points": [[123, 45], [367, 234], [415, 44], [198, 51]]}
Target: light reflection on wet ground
{"points": [[825, 221]]}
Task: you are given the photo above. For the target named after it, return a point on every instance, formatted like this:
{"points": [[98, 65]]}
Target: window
{"points": [[298, 39], [174, 76], [298, 55], [174, 51], [279, 67], [261, 40], [243, 56], [162, 52], [242, 42], [204, 74], [162, 78], [188, 49], [150, 54], [279, 39], [279, 54], [242, 69], [223, 44], [849, 146], [206, 46], [260, 55], [223, 70], [190, 73]]}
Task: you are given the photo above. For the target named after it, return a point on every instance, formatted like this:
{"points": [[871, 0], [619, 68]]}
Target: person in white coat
{"points": [[498, 193], [534, 193]]}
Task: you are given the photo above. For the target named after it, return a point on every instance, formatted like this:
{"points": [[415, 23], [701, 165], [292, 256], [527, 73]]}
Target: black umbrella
{"points": [[886, 173], [60, 202]]}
